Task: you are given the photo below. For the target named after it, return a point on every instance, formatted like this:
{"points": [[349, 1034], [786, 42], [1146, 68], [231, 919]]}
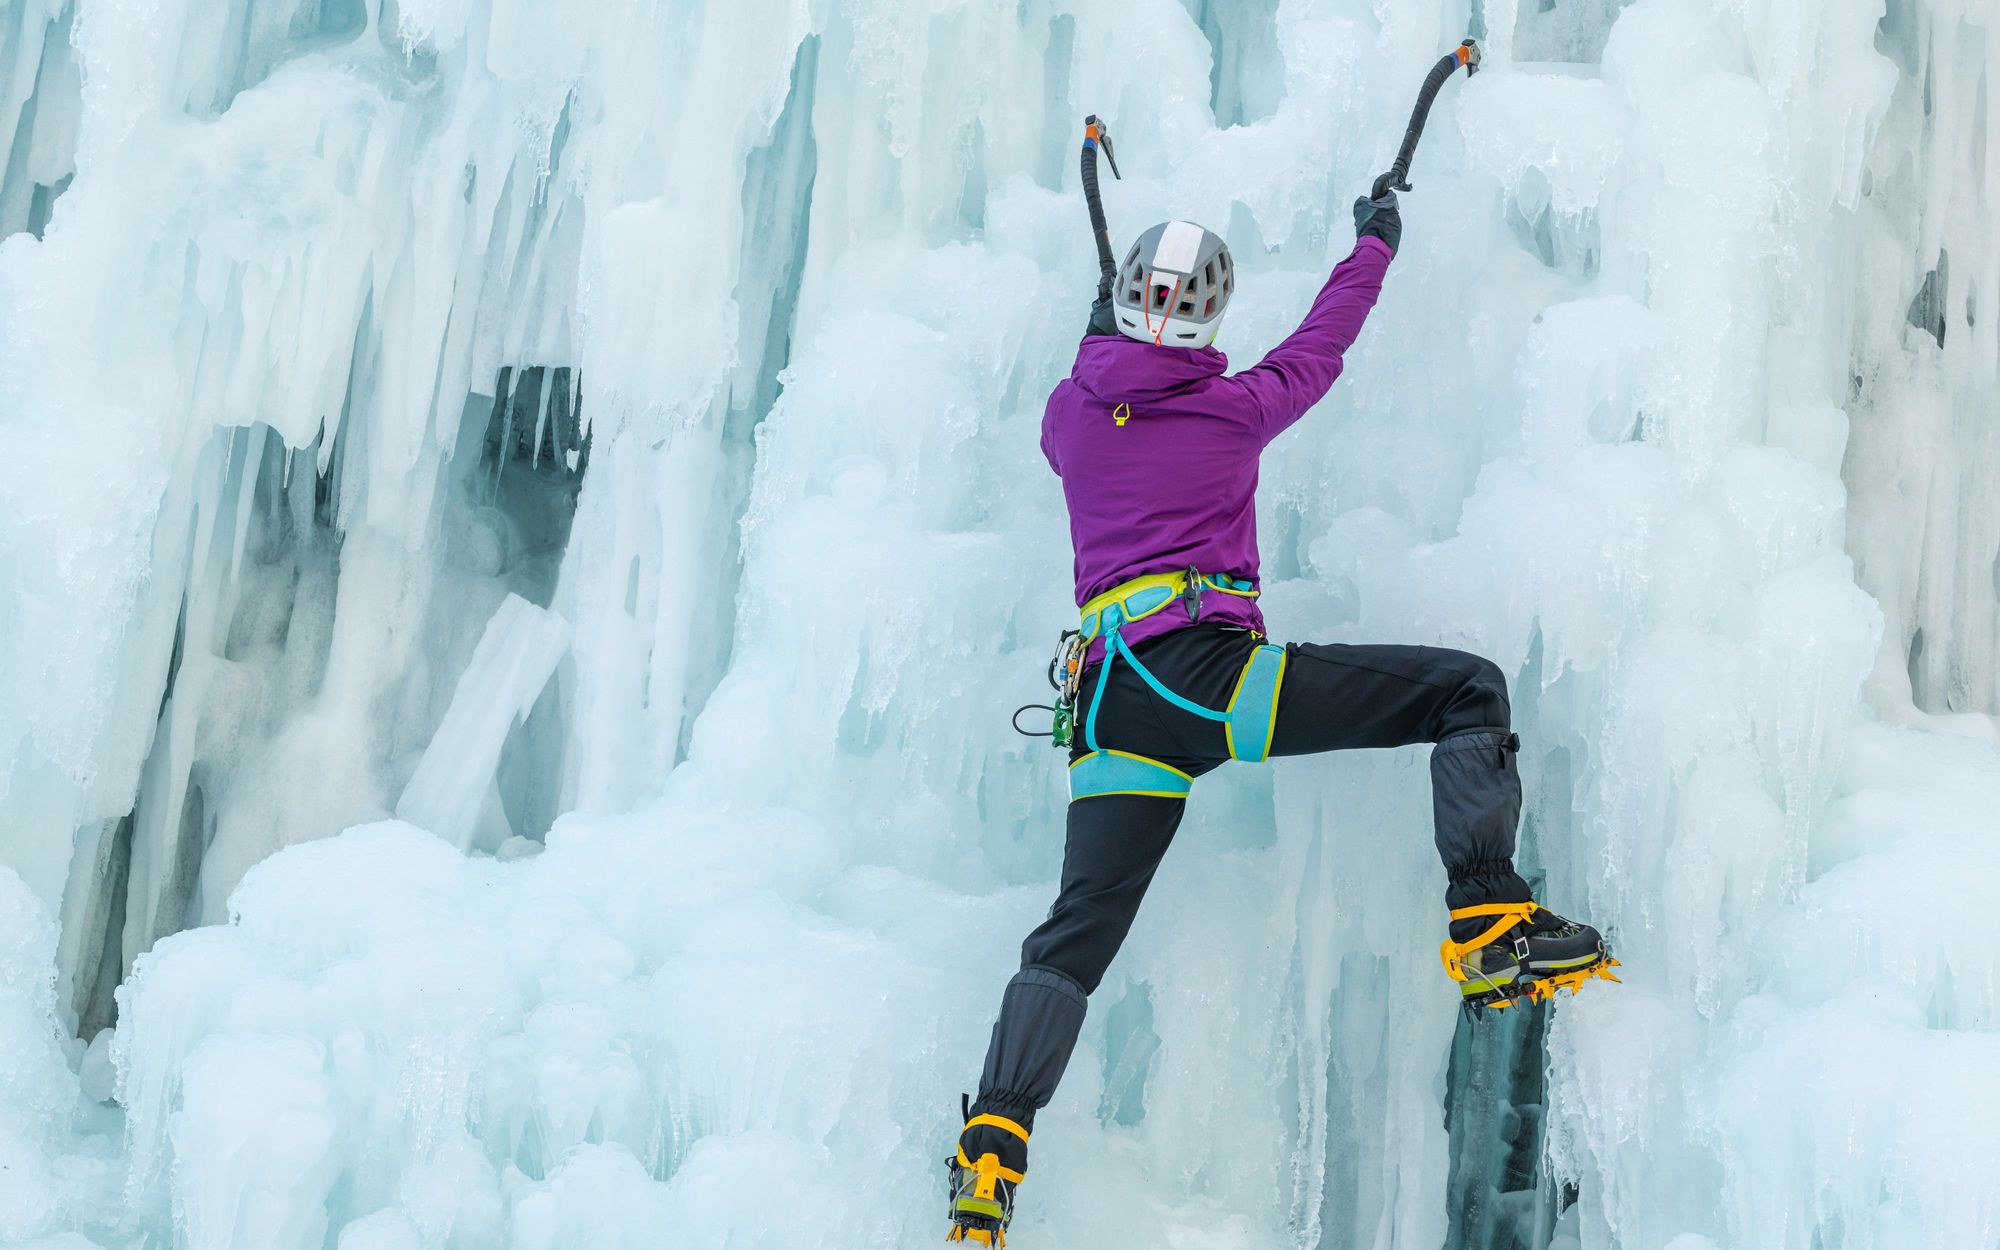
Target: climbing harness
{"points": [[1247, 721], [1397, 179], [1481, 992]]}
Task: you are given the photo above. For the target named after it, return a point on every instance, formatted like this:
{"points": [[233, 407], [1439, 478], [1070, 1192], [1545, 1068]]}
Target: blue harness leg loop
{"points": [[1253, 708], [1120, 772]]}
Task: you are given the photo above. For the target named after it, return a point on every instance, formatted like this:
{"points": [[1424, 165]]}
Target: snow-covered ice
{"points": [[521, 526]]}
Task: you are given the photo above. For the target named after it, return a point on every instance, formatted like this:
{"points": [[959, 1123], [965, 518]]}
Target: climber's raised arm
{"points": [[1296, 374]]}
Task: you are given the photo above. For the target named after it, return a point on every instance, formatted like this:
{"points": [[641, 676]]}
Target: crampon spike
{"points": [[1541, 989]]}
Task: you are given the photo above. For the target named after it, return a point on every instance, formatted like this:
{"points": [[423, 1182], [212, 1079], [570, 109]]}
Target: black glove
{"points": [[1103, 319], [1379, 218]]}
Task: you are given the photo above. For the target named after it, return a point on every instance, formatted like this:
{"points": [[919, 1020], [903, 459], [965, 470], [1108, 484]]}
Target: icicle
{"points": [[246, 495]]}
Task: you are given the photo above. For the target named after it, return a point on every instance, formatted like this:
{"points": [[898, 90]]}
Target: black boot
{"points": [[991, 1163]]}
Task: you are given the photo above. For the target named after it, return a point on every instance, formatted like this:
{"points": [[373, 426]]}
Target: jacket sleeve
{"points": [[1297, 373]]}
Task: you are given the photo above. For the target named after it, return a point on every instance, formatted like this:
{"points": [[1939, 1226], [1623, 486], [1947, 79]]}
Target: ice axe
{"points": [[1095, 135], [1397, 179]]}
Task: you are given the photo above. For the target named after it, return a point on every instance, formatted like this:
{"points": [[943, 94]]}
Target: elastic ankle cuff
{"points": [[1009, 1104], [1480, 868], [1486, 881]]}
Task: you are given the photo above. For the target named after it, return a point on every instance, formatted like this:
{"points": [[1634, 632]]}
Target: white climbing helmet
{"points": [[1174, 286]]}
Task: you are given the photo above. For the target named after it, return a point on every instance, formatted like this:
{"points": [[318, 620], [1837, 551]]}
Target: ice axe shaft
{"points": [[1397, 179], [1095, 135]]}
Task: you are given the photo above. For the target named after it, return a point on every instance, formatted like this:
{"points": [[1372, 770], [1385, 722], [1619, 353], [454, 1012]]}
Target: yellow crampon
{"points": [[1520, 987], [1542, 989]]}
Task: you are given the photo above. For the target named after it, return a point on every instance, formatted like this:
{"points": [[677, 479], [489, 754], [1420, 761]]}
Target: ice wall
{"points": [[1923, 453], [692, 358]]}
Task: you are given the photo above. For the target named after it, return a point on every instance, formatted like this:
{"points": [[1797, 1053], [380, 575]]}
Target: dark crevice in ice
{"points": [[1062, 127], [1494, 1114], [1914, 664], [1246, 80], [291, 549], [1566, 31], [536, 421], [778, 182], [268, 617], [1497, 1196], [510, 520], [1565, 242], [319, 23], [39, 162], [1896, 34], [331, 461], [257, 44], [101, 962], [42, 204], [180, 900], [1927, 310], [174, 654]]}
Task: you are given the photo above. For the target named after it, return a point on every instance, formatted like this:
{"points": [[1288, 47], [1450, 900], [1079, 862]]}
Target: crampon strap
{"points": [[988, 1169], [995, 1169], [1507, 915]]}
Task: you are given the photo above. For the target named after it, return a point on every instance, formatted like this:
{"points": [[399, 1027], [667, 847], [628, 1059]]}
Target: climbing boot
{"points": [[1524, 953], [991, 1162]]}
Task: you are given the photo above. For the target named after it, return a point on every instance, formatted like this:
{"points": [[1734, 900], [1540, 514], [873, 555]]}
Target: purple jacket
{"points": [[1158, 450]]}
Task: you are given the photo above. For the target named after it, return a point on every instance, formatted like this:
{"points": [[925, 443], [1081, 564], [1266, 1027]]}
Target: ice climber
{"points": [[1170, 675]]}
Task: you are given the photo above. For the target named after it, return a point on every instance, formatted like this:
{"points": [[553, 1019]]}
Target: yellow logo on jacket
{"points": [[1121, 414]]}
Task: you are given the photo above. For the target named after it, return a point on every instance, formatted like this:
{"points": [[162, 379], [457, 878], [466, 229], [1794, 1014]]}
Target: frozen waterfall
{"points": [[521, 526]]}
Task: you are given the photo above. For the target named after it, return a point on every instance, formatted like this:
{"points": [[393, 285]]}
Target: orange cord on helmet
{"points": [[1147, 309]]}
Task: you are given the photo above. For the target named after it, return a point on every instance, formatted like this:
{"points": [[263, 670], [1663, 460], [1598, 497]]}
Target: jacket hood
{"points": [[1117, 369]]}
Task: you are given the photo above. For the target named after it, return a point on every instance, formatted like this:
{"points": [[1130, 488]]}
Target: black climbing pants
{"points": [[1334, 698]]}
